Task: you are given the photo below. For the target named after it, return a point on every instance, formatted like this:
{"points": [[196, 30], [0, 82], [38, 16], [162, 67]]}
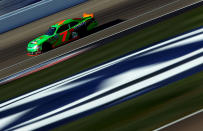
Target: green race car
{"points": [[62, 33]]}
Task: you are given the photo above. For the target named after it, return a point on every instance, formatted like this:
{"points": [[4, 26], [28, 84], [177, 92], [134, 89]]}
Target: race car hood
{"points": [[39, 40]]}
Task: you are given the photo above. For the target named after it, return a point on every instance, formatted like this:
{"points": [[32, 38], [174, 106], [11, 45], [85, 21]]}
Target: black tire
{"points": [[46, 47], [83, 31]]}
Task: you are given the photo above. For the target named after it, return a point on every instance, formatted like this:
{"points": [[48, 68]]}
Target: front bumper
{"points": [[34, 53]]}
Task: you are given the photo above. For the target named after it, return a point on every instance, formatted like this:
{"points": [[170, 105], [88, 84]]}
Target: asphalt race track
{"points": [[111, 83], [184, 123], [13, 43]]}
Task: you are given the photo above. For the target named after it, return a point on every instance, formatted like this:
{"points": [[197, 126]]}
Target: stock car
{"points": [[62, 33]]}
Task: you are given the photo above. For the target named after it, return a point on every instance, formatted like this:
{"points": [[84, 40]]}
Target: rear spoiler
{"points": [[88, 15]]}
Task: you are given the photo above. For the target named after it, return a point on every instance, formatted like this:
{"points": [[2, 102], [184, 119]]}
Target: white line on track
{"points": [[181, 119]]}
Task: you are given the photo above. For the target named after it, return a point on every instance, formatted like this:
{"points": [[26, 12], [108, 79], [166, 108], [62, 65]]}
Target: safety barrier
{"points": [[33, 12]]}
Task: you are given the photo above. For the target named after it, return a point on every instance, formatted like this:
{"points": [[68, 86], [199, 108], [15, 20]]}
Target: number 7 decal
{"points": [[64, 35]]}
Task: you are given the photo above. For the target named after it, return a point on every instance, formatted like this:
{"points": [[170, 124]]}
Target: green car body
{"points": [[61, 33]]}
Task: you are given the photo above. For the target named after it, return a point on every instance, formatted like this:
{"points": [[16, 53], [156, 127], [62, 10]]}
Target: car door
{"points": [[62, 35], [73, 33]]}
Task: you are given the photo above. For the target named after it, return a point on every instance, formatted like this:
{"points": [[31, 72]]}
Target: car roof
{"points": [[63, 22]]}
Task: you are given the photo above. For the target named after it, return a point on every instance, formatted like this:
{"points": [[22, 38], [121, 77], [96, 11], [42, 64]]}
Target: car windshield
{"points": [[51, 31]]}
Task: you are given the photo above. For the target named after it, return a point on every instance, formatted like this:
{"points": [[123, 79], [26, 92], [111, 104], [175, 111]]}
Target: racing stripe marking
{"points": [[60, 22]]}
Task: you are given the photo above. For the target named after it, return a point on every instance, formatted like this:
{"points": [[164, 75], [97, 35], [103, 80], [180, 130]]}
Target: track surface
{"points": [[193, 123], [188, 123], [13, 43]]}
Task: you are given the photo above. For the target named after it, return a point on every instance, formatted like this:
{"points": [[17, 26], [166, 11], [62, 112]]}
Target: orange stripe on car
{"points": [[60, 22]]}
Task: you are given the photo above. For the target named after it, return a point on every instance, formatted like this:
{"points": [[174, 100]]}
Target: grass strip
{"points": [[139, 39], [149, 111]]}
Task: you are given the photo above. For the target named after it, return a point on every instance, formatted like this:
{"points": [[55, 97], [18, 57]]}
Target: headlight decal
{"points": [[36, 47]]}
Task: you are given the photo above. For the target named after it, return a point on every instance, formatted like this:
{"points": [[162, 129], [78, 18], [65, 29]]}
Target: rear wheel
{"points": [[83, 31], [46, 47]]}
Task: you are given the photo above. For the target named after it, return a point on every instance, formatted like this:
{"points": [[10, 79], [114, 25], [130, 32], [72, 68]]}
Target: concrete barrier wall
{"points": [[33, 12], [7, 6]]}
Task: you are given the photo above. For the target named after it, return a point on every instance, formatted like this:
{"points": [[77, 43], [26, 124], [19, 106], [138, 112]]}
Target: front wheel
{"points": [[46, 47]]}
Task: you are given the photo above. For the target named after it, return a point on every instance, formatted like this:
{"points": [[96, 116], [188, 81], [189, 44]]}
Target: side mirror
{"points": [[56, 36]]}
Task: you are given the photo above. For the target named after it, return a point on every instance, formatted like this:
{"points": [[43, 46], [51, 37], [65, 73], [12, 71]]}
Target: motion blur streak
{"points": [[7, 6], [95, 89], [33, 12], [44, 65], [112, 97], [12, 118]]}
